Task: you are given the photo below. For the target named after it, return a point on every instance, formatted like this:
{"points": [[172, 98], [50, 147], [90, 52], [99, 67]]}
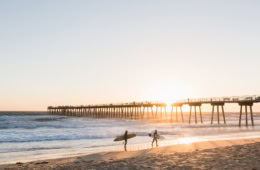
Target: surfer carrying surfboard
{"points": [[155, 138], [125, 138]]}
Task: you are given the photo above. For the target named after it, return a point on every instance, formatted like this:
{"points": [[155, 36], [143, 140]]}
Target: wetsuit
{"points": [[155, 136], [125, 136]]}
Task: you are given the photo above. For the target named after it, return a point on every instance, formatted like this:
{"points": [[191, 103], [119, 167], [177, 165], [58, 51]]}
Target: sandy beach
{"points": [[224, 154]]}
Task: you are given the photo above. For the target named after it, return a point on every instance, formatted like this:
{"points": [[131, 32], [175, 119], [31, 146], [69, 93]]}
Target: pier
{"points": [[134, 110], [158, 111]]}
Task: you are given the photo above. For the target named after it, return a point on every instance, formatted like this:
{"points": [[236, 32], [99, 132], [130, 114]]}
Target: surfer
{"points": [[155, 138], [125, 137]]}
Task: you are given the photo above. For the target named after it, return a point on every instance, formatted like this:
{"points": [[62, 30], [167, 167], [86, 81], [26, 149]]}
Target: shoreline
{"points": [[108, 160]]}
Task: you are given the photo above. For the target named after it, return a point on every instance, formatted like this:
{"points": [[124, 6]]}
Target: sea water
{"points": [[27, 136]]}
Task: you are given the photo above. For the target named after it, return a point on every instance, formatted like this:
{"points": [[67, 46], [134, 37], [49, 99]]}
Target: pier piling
{"points": [[246, 104], [218, 104]]}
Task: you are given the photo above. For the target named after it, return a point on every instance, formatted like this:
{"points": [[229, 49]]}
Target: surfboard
{"points": [[158, 136], [120, 138]]}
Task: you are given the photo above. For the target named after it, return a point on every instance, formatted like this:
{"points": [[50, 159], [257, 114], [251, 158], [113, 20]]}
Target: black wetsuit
{"points": [[125, 136], [155, 136]]}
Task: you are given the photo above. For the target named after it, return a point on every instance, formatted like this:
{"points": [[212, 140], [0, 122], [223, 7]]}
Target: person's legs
{"points": [[156, 142], [152, 142], [125, 144]]}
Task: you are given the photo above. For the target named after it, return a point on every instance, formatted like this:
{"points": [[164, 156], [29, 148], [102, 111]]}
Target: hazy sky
{"points": [[58, 52]]}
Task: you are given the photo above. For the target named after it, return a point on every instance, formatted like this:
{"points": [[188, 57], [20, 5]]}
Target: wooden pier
{"points": [[135, 110], [158, 111]]}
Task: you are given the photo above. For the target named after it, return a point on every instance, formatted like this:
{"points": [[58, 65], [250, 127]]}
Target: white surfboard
{"points": [[160, 137]]}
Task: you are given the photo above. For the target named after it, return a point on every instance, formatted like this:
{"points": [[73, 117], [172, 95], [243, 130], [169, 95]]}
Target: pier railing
{"points": [[226, 99]]}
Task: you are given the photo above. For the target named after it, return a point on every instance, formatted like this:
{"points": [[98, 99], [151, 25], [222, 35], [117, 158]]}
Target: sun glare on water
{"points": [[188, 140]]}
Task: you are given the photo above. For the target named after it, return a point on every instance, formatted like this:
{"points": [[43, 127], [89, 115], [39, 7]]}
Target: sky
{"points": [[61, 52]]}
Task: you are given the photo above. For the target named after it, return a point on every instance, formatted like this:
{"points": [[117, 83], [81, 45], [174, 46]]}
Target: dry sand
{"points": [[225, 154]]}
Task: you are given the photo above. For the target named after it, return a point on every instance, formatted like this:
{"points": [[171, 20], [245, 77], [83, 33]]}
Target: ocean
{"points": [[29, 136]]}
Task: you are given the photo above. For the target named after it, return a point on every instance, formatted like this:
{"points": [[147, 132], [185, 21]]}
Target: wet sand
{"points": [[225, 154]]}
